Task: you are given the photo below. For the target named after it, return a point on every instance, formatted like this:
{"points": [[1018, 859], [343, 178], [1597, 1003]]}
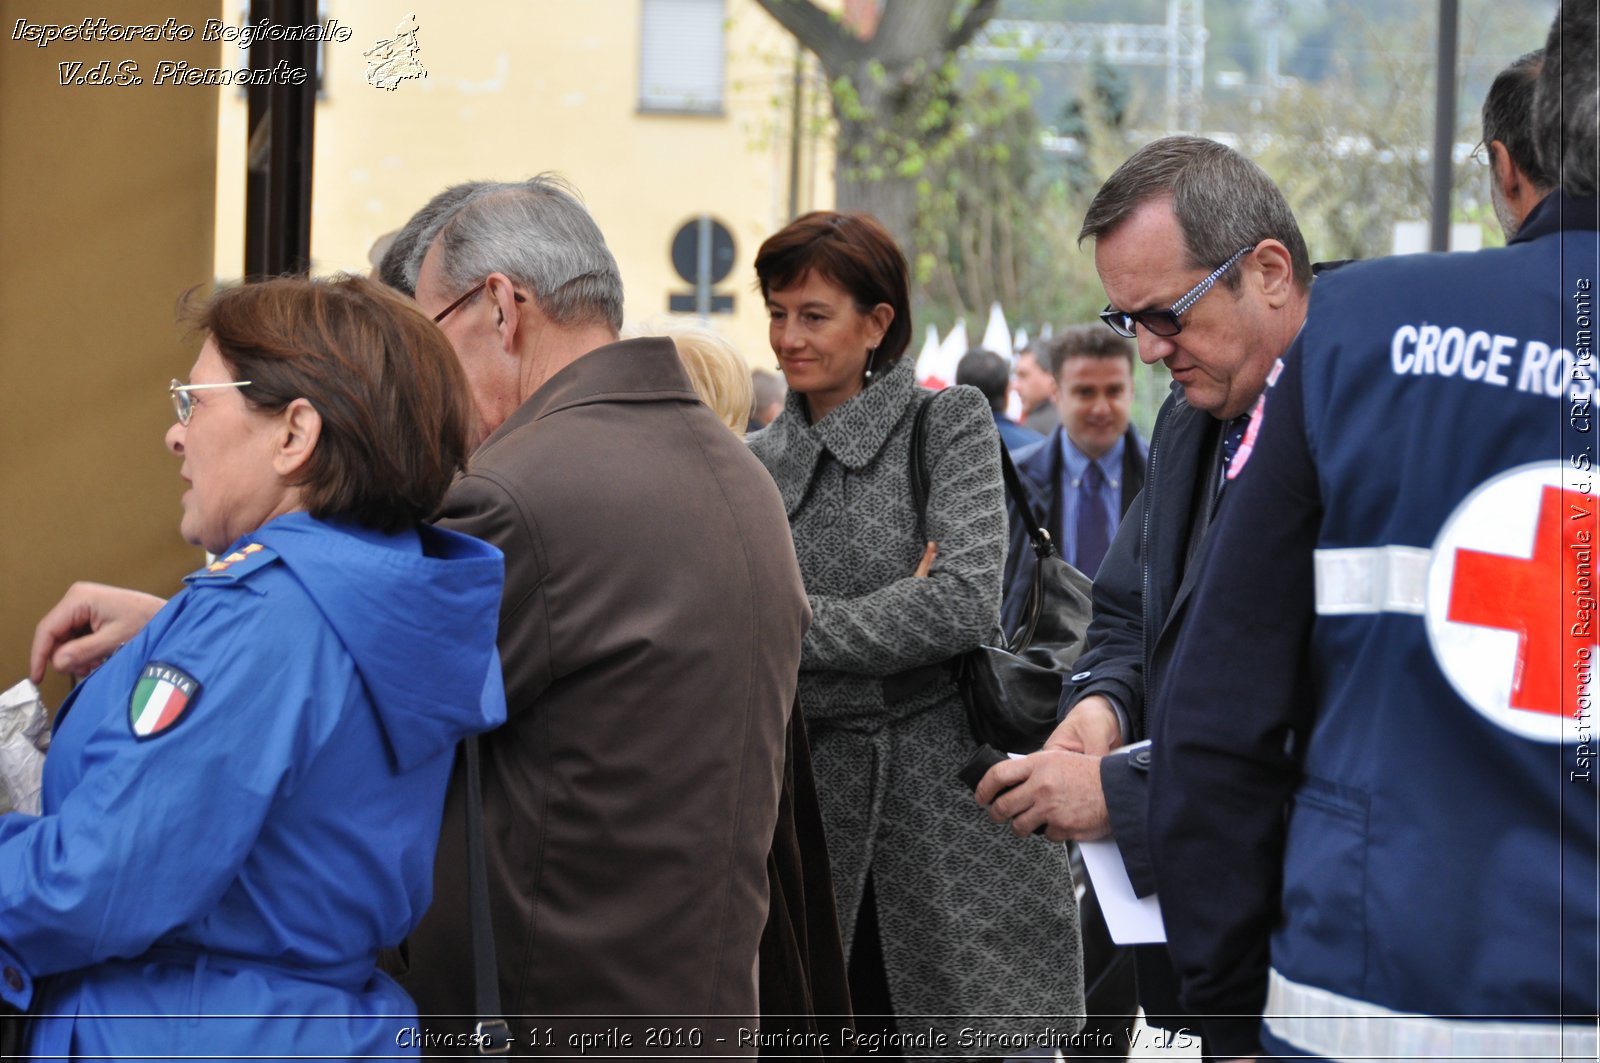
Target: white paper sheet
{"points": [[1132, 920]]}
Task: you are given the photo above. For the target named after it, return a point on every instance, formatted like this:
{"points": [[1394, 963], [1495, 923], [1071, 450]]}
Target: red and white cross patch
{"points": [[1510, 601]]}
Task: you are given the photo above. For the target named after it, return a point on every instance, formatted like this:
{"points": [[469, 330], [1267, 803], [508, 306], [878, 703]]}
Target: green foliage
{"points": [[999, 219], [1096, 117], [993, 216], [847, 101], [1352, 152]]}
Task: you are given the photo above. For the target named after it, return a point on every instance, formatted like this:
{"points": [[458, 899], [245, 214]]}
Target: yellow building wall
{"points": [[106, 215], [115, 199], [519, 87]]}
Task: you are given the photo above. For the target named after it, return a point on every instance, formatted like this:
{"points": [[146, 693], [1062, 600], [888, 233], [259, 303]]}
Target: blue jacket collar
{"points": [[424, 678], [1560, 212]]}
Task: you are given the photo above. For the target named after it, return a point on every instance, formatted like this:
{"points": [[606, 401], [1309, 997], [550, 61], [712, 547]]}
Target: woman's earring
{"points": [[872, 352]]}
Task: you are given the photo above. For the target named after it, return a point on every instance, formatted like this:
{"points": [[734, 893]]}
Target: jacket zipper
{"points": [[1144, 577]]}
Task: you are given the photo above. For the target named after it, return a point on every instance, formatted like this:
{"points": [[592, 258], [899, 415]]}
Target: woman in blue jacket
{"points": [[240, 807]]}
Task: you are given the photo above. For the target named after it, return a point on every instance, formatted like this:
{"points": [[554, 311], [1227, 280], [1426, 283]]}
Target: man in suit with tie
{"points": [[1083, 476], [1205, 267]]}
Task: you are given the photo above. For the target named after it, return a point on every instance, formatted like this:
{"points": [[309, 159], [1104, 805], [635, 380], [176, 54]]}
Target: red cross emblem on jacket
{"points": [[1511, 610], [1524, 595]]}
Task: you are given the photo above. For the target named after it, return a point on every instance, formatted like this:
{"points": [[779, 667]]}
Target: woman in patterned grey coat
{"points": [[970, 921]]}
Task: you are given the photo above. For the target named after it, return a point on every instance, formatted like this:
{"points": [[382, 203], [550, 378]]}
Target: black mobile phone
{"points": [[977, 766]]}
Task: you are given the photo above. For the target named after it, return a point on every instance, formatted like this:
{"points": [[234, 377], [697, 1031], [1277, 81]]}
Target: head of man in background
{"points": [[1094, 386], [989, 373], [767, 392], [400, 255], [1518, 180], [1082, 477], [1036, 388]]}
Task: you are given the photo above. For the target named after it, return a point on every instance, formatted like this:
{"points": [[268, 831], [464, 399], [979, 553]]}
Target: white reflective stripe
{"points": [[1372, 579], [1343, 1028]]}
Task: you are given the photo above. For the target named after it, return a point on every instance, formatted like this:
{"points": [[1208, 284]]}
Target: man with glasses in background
{"points": [[1206, 269], [1518, 179]]}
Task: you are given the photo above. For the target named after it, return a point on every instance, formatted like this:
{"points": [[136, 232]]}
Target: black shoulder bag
{"points": [[1012, 686]]}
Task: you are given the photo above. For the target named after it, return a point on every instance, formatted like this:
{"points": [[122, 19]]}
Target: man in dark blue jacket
{"points": [[1204, 264], [1082, 477], [1384, 831]]}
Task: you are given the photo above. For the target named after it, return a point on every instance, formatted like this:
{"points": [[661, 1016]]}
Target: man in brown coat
{"points": [[650, 637]]}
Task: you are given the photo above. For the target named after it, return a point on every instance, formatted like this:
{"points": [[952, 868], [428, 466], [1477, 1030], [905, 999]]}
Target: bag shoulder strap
{"points": [[918, 460], [1042, 546], [494, 1031]]}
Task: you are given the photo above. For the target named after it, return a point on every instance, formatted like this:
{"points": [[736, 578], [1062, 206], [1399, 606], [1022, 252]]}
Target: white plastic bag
{"points": [[24, 735]]}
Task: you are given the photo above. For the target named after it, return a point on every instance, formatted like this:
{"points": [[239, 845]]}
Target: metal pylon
{"points": [[1179, 44]]}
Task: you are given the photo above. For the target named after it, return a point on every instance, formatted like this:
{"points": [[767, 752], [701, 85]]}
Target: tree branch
{"points": [[977, 16], [909, 30], [816, 29]]}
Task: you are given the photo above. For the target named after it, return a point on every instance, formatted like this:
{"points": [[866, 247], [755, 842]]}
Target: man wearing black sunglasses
{"points": [[1205, 267], [1409, 556]]}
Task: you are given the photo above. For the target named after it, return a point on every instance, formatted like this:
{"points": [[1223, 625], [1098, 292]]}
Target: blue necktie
{"points": [[1093, 536], [1232, 436]]}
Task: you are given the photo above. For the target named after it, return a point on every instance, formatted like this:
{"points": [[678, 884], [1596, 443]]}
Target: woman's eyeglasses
{"points": [[183, 403]]}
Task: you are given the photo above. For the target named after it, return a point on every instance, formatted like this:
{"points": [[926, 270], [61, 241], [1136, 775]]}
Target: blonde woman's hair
{"points": [[719, 373]]}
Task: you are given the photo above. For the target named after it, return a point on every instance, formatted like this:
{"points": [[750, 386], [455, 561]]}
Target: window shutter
{"points": [[681, 56]]}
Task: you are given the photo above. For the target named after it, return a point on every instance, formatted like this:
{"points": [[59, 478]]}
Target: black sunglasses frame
{"points": [[1166, 322]]}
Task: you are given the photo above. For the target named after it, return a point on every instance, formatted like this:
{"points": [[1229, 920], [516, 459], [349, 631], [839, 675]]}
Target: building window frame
{"points": [[683, 58]]}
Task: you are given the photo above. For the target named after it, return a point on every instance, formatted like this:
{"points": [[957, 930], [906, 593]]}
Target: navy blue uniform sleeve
{"points": [[155, 830], [1125, 784], [1221, 774]]}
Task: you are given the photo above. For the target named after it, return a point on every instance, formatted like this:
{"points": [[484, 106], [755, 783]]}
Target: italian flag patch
{"points": [[160, 699]]}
